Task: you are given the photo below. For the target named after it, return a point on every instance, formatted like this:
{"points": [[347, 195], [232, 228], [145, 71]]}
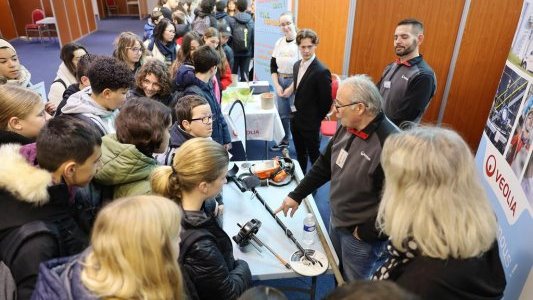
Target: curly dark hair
{"points": [[109, 73], [159, 70], [142, 122]]}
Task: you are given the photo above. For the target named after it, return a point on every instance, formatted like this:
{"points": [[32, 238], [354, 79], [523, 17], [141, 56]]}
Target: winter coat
{"points": [[27, 194], [184, 76], [148, 30], [82, 103], [210, 263], [59, 279], [57, 88], [220, 127], [125, 168]]}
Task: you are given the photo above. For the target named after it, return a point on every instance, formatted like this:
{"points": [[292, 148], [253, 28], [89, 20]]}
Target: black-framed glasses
{"points": [[205, 120], [337, 106]]}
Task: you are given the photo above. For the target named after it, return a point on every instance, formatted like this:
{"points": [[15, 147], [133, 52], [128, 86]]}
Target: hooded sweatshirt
{"points": [[57, 88], [82, 103], [125, 168]]}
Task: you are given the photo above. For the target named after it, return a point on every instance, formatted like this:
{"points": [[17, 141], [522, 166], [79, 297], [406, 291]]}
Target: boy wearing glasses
{"points": [[205, 60], [194, 119]]}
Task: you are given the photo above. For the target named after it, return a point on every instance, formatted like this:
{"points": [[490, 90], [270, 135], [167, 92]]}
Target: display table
{"points": [[240, 208], [261, 124], [49, 26]]}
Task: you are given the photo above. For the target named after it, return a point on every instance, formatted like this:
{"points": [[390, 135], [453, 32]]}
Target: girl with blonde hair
{"points": [[441, 227], [198, 173], [21, 115], [130, 49], [133, 255]]}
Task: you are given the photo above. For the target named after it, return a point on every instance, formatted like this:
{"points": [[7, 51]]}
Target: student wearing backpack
{"points": [[242, 29], [209, 268], [36, 185], [204, 17], [66, 74]]}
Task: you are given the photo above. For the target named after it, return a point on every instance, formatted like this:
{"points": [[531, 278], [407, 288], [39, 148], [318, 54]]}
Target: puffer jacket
{"points": [[125, 168], [60, 279], [211, 265], [184, 76]]}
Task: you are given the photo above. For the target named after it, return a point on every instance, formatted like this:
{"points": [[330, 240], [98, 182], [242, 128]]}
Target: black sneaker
{"points": [[279, 146]]}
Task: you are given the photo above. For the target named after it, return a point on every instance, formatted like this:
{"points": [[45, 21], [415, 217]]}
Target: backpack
{"points": [[21, 255], [188, 238], [59, 80], [200, 24], [241, 37]]}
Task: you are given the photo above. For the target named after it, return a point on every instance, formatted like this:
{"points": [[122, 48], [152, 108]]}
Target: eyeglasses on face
{"points": [[205, 120], [285, 24], [135, 49], [337, 105]]}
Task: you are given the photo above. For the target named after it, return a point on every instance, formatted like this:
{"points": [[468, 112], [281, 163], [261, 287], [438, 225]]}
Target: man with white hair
{"points": [[351, 162]]}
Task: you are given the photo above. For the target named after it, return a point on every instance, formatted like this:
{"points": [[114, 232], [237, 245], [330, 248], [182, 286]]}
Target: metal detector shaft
{"points": [[283, 262], [288, 232]]}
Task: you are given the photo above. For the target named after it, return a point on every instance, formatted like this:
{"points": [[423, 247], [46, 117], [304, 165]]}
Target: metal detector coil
{"points": [[301, 265]]}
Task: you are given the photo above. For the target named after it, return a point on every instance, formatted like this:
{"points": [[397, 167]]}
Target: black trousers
{"points": [[241, 64], [306, 144]]}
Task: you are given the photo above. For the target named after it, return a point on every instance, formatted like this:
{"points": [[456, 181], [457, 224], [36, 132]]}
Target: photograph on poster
{"points": [[527, 181], [505, 108], [521, 54], [520, 143]]}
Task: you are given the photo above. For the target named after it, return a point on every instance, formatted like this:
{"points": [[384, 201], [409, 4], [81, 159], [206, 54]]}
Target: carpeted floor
{"points": [[42, 59]]}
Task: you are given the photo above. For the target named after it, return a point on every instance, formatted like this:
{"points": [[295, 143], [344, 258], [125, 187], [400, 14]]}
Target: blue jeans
{"points": [[357, 259], [284, 107]]}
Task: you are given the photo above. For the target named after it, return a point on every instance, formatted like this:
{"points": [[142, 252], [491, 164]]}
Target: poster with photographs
{"points": [[504, 158]]}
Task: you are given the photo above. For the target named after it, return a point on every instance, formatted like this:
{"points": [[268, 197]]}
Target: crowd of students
{"points": [[112, 188]]}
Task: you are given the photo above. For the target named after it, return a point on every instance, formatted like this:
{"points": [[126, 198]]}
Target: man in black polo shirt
{"points": [[351, 162], [408, 84]]}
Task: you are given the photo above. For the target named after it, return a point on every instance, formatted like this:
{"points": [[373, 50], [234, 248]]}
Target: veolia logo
{"points": [[501, 183], [490, 165]]}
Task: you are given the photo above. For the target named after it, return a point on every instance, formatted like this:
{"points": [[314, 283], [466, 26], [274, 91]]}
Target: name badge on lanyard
{"points": [[341, 159]]}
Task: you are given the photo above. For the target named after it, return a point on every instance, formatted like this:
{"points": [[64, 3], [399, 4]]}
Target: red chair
{"points": [[111, 5], [328, 127], [36, 15]]}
